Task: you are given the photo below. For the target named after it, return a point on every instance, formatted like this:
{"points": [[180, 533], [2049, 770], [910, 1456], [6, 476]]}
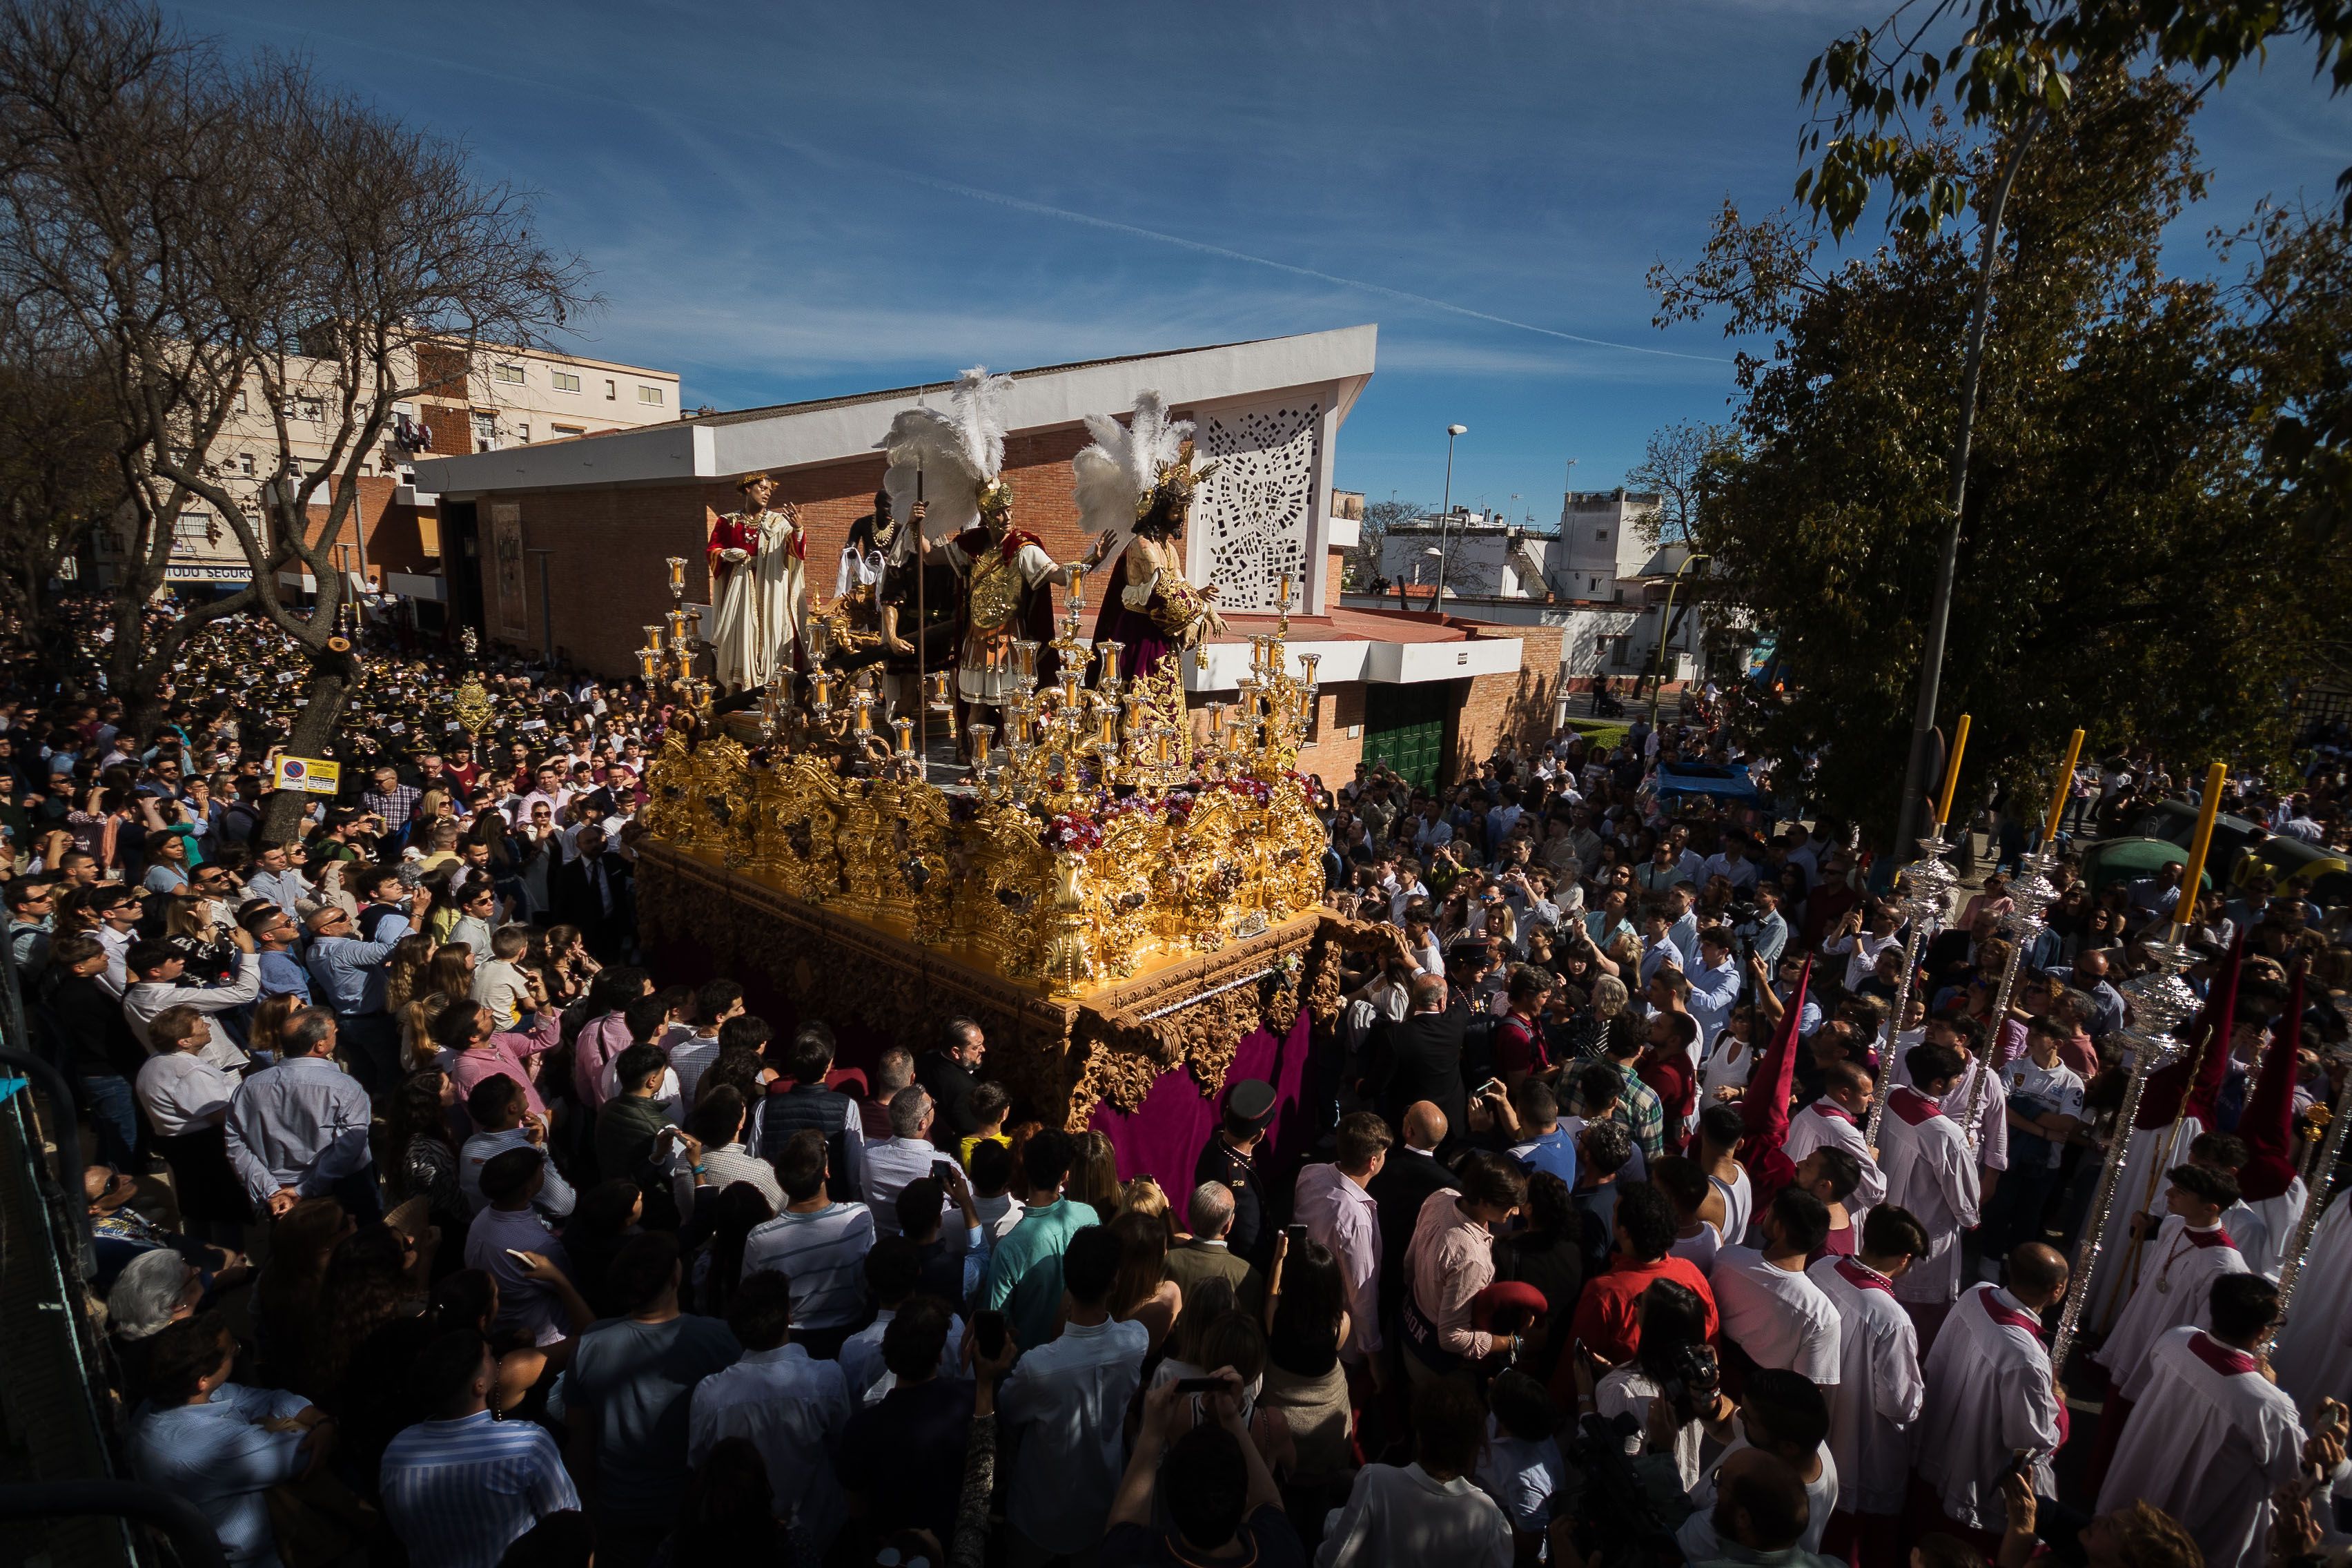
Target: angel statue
{"points": [[759, 588], [945, 473], [1135, 488]]}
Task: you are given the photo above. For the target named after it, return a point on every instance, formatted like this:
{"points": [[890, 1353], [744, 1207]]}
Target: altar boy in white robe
{"points": [[1932, 1173], [2211, 1438], [1989, 1393], [2314, 1354], [1879, 1389], [2170, 1288], [1835, 1120]]}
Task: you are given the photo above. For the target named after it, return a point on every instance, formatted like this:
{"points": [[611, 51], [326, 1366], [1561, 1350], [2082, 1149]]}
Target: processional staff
{"points": [[2159, 1000]]}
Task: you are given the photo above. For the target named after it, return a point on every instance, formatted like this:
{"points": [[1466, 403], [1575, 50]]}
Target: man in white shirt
{"points": [[791, 1408], [2213, 1439], [1730, 863], [1715, 984], [1773, 1312], [1429, 1512], [1784, 1415], [693, 1048], [906, 1156], [155, 972], [1834, 1120], [1068, 1398], [1879, 1390], [1932, 1174], [2041, 1102], [1989, 1395], [1335, 1205], [1870, 930]]}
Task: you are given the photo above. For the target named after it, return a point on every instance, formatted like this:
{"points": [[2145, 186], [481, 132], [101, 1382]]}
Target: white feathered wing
{"points": [[956, 450], [1117, 471]]}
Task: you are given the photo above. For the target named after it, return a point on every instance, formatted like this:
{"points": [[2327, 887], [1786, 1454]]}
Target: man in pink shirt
{"points": [[1450, 1260], [472, 1050]]}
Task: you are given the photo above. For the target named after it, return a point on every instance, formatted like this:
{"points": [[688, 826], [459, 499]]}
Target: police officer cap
{"points": [[1251, 1100]]}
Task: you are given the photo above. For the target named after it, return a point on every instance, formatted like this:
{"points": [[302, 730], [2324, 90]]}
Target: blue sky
{"points": [[785, 201]]}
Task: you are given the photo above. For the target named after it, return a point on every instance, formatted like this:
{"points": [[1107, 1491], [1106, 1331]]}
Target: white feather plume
{"points": [[956, 450], [1119, 469]]}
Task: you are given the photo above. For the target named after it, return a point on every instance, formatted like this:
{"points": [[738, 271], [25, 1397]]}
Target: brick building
{"points": [[559, 546]]}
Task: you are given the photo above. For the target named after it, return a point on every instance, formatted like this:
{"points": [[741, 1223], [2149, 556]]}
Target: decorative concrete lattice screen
{"points": [[1255, 512]]}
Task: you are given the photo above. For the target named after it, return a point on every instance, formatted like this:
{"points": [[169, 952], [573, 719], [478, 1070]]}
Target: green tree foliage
{"points": [[2124, 563]]}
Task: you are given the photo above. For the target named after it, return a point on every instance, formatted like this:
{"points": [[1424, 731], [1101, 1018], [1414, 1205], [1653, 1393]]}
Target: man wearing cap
{"points": [[1227, 1159]]}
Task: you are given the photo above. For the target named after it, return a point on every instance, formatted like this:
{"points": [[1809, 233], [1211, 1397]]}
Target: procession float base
{"points": [[1142, 1057]]}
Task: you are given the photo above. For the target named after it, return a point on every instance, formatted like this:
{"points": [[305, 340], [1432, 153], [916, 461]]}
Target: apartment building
{"points": [[490, 401]]}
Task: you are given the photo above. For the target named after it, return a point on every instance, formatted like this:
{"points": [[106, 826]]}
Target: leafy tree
{"points": [[226, 237], [2121, 563], [2008, 65], [1362, 567]]}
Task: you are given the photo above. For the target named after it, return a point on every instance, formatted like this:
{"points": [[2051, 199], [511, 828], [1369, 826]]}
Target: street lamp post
{"points": [[1446, 512], [1666, 629]]}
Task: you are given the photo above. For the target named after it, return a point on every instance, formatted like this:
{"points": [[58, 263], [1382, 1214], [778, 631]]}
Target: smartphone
{"points": [[521, 1258], [1298, 1233], [945, 1172], [1200, 1385], [1493, 1086], [988, 1334]]}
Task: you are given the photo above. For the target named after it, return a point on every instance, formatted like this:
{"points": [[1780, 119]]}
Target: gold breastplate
{"points": [[995, 592]]}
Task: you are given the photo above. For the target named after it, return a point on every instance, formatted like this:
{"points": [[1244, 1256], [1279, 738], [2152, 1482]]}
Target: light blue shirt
{"points": [[458, 1493], [219, 1457], [281, 974], [349, 973], [280, 887]]}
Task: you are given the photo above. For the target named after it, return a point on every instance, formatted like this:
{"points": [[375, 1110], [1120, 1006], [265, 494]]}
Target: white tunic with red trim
{"points": [[2176, 1270], [1825, 1121], [1989, 1395], [2140, 1189], [2314, 1354], [1879, 1389], [2208, 1442], [1930, 1171]]}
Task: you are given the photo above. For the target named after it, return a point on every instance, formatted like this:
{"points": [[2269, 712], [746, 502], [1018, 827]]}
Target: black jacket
{"points": [[1404, 1182], [951, 1084], [1420, 1057], [92, 1037]]}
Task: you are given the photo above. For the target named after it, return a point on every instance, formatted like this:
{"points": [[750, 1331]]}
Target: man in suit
{"points": [[1403, 1182], [1204, 1255], [592, 891], [1419, 1057], [951, 1071]]}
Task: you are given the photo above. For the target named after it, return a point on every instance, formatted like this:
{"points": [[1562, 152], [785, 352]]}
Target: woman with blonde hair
{"points": [[1093, 1174], [404, 968], [450, 973], [1141, 1292], [268, 1022], [417, 1049], [1145, 1197]]}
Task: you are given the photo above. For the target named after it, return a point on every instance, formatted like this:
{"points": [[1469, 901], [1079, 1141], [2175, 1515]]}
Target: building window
{"points": [[311, 408], [1592, 584], [1601, 535], [486, 432], [610, 391], [565, 381], [651, 395], [193, 532], [244, 465], [522, 434], [560, 431], [509, 373], [240, 400], [404, 410]]}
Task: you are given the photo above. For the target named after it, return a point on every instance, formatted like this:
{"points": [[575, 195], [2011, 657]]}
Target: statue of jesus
{"points": [[759, 588]]}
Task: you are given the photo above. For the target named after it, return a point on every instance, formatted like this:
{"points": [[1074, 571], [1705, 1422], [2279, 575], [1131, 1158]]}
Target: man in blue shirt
{"points": [[272, 930], [1544, 1144], [218, 1443], [348, 977]]}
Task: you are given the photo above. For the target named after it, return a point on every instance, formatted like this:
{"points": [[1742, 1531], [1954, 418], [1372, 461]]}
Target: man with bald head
{"points": [[1989, 1393], [1204, 1254], [1403, 1182]]}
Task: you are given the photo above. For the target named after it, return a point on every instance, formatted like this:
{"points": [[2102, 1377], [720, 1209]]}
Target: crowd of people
{"points": [[434, 1226]]}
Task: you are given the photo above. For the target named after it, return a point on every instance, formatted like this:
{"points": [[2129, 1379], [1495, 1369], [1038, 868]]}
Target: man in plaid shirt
{"points": [[391, 799], [1638, 1108]]}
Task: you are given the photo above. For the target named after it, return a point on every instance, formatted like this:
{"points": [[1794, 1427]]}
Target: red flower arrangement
{"points": [[1070, 834]]}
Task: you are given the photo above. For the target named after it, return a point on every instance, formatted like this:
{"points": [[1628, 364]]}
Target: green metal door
{"points": [[1404, 730]]}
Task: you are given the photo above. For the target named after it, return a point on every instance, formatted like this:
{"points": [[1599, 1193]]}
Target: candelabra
{"points": [[1922, 893], [667, 657], [2159, 1000]]}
